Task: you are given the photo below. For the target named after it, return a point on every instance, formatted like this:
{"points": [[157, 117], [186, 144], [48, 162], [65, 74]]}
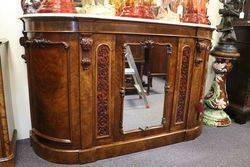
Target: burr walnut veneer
{"points": [[76, 84]]}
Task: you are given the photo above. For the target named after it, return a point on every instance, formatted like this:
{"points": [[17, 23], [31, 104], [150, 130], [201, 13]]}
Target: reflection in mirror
{"points": [[145, 78]]}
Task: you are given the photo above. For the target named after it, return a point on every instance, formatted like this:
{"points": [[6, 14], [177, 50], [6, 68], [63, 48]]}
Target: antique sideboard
{"points": [[76, 80]]}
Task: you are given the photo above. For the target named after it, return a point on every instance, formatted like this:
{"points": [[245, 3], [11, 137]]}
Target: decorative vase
{"points": [[145, 9], [195, 11], [129, 9], [141, 9], [57, 6]]}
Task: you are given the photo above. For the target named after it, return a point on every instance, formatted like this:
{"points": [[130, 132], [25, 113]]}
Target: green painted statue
{"points": [[217, 99], [224, 52]]}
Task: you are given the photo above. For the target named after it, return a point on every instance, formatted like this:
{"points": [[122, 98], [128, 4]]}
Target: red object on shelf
{"points": [[57, 6], [129, 9], [195, 12], [145, 9], [141, 10]]}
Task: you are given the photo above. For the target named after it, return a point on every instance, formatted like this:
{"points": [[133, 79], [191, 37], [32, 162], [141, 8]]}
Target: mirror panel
{"points": [[144, 83]]}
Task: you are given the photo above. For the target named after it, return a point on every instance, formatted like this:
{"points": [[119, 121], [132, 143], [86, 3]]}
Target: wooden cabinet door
{"points": [[165, 49], [54, 90]]}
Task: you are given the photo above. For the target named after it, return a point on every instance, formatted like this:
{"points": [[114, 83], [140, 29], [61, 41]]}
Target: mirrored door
{"points": [[145, 85]]}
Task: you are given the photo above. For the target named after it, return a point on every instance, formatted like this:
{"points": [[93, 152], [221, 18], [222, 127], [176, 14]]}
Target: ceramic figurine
{"points": [[165, 13], [30, 6], [217, 99], [96, 7]]}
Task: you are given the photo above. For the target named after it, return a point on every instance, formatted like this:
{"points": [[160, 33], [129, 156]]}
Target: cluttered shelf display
{"points": [[191, 11]]}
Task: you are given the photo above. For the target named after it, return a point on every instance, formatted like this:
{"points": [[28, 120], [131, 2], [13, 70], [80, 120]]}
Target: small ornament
{"points": [[242, 15], [165, 12], [180, 10]]}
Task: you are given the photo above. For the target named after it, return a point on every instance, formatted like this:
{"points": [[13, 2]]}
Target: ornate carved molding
{"points": [[24, 57], [183, 83], [44, 43], [22, 42], [169, 48], [166, 87], [86, 45], [103, 75], [39, 43], [122, 91], [149, 43], [201, 46]]}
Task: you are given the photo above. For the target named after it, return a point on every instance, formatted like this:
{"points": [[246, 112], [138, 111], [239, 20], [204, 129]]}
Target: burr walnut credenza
{"points": [[80, 111]]}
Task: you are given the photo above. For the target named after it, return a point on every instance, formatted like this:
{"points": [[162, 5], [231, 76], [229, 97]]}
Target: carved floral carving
{"points": [[86, 44], [39, 43], [103, 73], [183, 83], [148, 43]]}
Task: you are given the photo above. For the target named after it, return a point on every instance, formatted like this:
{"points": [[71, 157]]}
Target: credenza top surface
{"points": [[113, 18]]}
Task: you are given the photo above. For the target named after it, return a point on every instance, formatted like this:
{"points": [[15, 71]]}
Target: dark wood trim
{"points": [[36, 132], [114, 149]]}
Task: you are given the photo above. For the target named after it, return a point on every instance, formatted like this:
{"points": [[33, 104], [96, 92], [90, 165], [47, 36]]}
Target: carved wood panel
{"points": [[103, 90], [50, 98], [196, 96], [86, 45], [183, 83]]}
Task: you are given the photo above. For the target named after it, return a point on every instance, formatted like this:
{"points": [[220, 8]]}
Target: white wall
{"points": [[11, 28]]}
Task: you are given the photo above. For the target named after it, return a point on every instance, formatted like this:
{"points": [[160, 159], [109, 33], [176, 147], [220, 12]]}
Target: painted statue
{"points": [[224, 52], [217, 99]]}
